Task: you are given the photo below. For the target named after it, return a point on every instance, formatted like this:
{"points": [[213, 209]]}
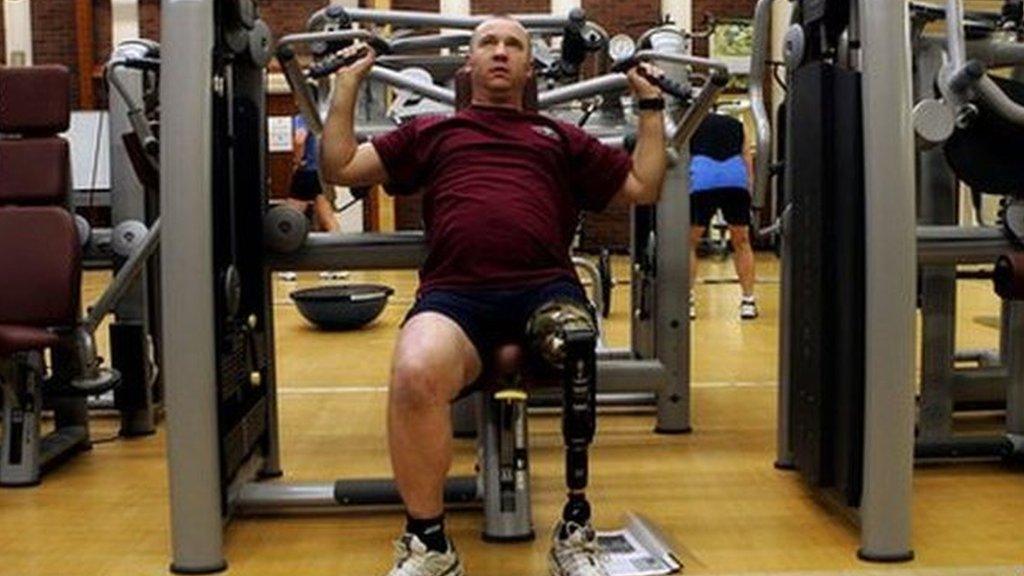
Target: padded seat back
{"points": [[40, 256], [35, 171], [35, 100], [987, 154]]}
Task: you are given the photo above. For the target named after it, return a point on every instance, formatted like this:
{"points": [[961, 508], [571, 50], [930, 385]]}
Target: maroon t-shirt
{"points": [[502, 193]]}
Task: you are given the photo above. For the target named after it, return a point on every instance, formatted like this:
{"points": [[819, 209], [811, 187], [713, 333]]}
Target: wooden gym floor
{"points": [[714, 491]]}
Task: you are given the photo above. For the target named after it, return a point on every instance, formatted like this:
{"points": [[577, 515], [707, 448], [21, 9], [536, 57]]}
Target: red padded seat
{"points": [[14, 339], [35, 171], [35, 100], [40, 255], [40, 260]]}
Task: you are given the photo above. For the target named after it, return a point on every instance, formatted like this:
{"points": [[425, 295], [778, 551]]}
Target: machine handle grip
{"points": [[335, 62], [142, 63], [667, 85]]}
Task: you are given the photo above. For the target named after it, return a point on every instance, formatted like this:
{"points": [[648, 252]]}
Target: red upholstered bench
{"points": [[40, 263]]}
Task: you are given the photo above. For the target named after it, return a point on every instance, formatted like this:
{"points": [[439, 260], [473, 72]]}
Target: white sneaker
{"points": [[578, 554], [748, 309], [287, 276], [412, 558], [334, 275]]}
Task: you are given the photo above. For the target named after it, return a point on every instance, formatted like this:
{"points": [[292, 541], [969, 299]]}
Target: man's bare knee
{"points": [[418, 382], [432, 362]]}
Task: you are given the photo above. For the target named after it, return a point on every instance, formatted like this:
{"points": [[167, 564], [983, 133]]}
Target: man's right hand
{"points": [[354, 73], [341, 161]]}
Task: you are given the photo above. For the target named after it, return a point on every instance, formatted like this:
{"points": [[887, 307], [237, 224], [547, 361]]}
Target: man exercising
{"points": [[503, 188]]}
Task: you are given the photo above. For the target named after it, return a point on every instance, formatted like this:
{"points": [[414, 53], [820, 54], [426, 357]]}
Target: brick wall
{"points": [[508, 6], [53, 29], [149, 27], [288, 16], [283, 17], [419, 5], [632, 17], [725, 8], [53, 36], [102, 44]]}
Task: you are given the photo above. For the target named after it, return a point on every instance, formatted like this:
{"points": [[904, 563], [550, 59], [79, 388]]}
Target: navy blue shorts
{"points": [[734, 202], [493, 318]]}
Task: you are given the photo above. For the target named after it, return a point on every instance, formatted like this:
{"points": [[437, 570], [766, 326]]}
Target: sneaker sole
{"points": [[454, 570], [554, 569]]}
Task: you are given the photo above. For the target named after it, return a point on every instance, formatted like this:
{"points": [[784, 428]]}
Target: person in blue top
{"points": [[720, 173], [305, 193]]}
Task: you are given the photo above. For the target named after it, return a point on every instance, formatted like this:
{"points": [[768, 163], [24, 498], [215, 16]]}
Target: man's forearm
{"points": [[338, 144], [649, 159]]}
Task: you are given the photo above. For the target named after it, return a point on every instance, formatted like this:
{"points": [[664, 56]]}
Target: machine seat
{"points": [[14, 339], [40, 257], [985, 155]]}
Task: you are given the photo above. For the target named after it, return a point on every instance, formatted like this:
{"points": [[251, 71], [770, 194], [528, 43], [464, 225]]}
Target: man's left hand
{"points": [[642, 87]]}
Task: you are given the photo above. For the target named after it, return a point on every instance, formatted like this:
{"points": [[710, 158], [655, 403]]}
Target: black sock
{"points": [[430, 531]]}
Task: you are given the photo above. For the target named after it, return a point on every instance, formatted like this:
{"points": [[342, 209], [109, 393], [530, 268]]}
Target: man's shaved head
{"points": [[500, 62], [488, 24]]}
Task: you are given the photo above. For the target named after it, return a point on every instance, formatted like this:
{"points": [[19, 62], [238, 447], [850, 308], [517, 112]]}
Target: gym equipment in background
{"points": [[852, 239], [40, 254], [847, 316]]}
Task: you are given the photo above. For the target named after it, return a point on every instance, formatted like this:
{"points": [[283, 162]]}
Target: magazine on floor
{"points": [[637, 550]]}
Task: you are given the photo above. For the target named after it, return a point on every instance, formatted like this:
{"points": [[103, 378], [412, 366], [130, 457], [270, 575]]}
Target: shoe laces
{"points": [[583, 545], [412, 556], [407, 552]]}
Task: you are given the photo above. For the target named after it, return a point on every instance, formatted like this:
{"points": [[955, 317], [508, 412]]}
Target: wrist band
{"points": [[651, 104]]}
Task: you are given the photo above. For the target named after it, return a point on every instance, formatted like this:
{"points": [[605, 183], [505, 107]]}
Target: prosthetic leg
{"points": [[562, 337], [563, 334]]}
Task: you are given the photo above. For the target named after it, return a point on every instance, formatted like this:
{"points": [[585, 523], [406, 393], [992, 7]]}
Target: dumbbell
{"points": [[84, 230], [285, 229], [127, 236]]}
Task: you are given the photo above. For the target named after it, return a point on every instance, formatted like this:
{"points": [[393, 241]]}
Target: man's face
{"points": [[500, 60]]}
